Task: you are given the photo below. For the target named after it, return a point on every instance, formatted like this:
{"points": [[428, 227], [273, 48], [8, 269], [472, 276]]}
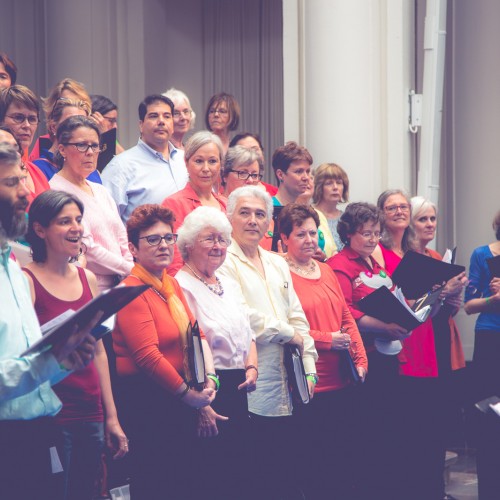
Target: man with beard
{"points": [[26, 398], [153, 169]]}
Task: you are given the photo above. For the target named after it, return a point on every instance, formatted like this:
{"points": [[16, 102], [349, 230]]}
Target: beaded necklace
{"points": [[216, 288]]}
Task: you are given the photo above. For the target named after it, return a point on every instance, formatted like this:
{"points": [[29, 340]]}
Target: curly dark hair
{"points": [[355, 215]]}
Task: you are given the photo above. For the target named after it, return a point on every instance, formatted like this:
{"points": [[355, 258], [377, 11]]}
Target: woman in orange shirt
{"points": [[204, 156], [157, 406], [331, 417]]}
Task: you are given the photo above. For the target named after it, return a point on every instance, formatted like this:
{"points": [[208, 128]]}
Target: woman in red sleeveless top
{"points": [[54, 233]]}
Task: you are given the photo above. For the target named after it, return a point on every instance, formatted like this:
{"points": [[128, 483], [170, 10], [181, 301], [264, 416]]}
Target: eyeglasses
{"points": [[394, 208], [243, 176], [217, 110], [111, 120], [155, 239], [19, 118], [184, 112], [369, 235], [83, 147], [14, 181], [212, 240]]}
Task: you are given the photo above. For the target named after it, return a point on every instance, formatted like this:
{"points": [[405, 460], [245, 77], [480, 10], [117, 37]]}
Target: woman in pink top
{"points": [[105, 238]]}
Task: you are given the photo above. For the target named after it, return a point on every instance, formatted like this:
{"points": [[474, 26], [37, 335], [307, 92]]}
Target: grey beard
{"points": [[17, 229]]}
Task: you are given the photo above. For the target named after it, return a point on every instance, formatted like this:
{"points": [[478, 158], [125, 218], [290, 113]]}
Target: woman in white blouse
{"points": [[203, 240]]}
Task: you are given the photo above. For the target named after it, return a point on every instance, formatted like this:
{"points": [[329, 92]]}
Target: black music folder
{"points": [[417, 274], [296, 374], [195, 366], [109, 302], [385, 306], [494, 266]]}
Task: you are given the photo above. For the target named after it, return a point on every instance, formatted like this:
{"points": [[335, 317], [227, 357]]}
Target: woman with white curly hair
{"points": [[203, 240], [184, 116]]}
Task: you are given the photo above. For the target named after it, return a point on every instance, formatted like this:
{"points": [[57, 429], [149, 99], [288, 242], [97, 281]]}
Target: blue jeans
{"points": [[80, 446]]}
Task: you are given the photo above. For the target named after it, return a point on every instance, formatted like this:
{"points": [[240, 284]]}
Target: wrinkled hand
{"points": [[340, 341], [116, 440], [361, 372], [454, 286], [200, 399], [250, 383], [297, 340], [207, 422]]}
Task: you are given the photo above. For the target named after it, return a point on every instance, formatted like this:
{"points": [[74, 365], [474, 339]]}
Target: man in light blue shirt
{"points": [[152, 170], [25, 393]]}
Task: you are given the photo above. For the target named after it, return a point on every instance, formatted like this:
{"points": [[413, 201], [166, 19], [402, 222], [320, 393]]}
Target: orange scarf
{"points": [[166, 289]]}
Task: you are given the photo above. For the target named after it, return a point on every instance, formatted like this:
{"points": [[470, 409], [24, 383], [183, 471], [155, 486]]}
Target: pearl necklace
{"points": [[215, 288], [307, 271]]}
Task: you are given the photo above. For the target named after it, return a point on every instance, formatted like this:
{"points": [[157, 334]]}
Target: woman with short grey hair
{"points": [[242, 166], [203, 240]]}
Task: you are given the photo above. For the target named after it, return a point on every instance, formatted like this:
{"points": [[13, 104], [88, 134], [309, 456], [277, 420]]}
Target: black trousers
{"points": [[331, 435], [25, 470], [164, 461], [486, 376], [227, 458]]}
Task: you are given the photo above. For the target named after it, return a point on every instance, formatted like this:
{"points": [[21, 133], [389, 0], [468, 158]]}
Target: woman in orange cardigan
{"points": [[330, 419], [157, 405]]}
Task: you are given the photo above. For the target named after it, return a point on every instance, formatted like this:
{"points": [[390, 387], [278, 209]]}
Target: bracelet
{"points": [[313, 377], [184, 392], [252, 367], [215, 378], [487, 301], [63, 368]]}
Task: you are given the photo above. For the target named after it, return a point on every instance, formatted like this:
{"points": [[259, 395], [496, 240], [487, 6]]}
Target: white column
{"points": [[353, 62]]}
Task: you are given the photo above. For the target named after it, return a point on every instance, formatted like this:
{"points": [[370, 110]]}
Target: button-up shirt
{"points": [[25, 391], [275, 314], [143, 175]]}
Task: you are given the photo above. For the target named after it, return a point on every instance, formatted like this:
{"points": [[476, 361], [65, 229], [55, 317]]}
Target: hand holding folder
{"points": [[109, 302], [296, 374], [416, 274]]}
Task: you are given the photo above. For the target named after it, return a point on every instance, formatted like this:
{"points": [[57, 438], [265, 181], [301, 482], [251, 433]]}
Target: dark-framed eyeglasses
{"points": [[19, 118], [83, 147], [243, 176], [155, 239], [392, 209]]}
